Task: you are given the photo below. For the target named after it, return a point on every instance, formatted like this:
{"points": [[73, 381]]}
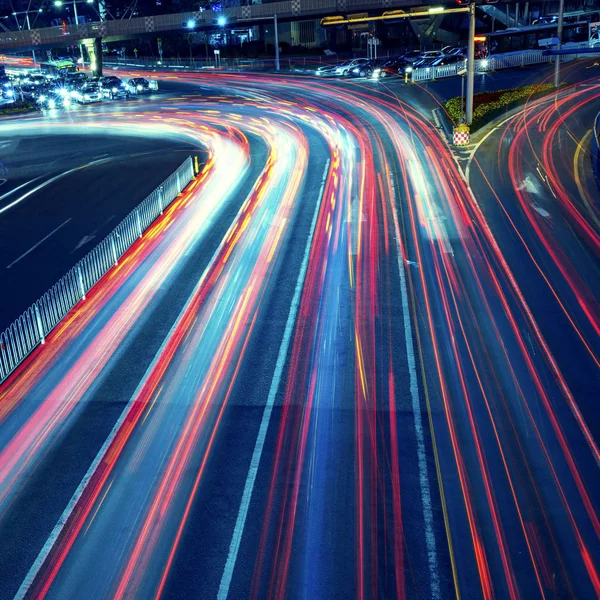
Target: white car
{"points": [[89, 93], [346, 67]]}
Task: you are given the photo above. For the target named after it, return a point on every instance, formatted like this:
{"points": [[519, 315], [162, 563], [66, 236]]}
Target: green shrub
{"points": [[485, 103], [17, 107]]}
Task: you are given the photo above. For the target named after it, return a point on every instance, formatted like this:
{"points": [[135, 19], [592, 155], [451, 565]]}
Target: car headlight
{"points": [[63, 92], [10, 93], [408, 70], [114, 90], [51, 104], [66, 102], [140, 88], [484, 63], [87, 97], [355, 70], [42, 98]]}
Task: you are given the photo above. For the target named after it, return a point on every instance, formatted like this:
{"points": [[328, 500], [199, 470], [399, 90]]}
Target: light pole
{"points": [[471, 63], [58, 4], [561, 10], [26, 13], [276, 44]]}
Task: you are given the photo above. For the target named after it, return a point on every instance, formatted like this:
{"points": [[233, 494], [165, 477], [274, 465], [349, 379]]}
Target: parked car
{"points": [[412, 55], [112, 87], [346, 67], [90, 92], [451, 59], [394, 67], [325, 70], [366, 69]]}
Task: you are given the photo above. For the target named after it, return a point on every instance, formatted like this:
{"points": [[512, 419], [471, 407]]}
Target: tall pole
{"points": [[276, 44], [77, 23], [471, 63], [561, 10], [29, 27]]}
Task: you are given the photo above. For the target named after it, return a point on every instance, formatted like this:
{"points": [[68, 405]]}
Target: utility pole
{"points": [[276, 44], [561, 10], [29, 27], [471, 63]]}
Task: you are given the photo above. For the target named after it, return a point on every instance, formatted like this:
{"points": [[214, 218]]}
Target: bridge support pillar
{"points": [[94, 50]]}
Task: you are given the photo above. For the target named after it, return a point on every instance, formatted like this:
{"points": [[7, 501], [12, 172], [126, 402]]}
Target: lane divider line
{"points": [[240, 523]]}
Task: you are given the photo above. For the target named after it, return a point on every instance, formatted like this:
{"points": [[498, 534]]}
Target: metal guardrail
{"points": [[32, 327], [494, 63]]}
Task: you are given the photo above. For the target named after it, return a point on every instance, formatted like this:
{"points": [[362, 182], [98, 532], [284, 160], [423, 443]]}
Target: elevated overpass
{"points": [[115, 30]]}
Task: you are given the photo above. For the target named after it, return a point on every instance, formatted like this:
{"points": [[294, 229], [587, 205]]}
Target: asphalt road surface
{"points": [[324, 373], [61, 194]]}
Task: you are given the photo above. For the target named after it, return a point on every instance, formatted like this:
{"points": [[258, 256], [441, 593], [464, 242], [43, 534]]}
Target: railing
{"points": [[32, 327], [494, 63]]}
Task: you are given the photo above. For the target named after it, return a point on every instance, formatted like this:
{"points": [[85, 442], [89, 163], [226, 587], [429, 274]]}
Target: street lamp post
{"points": [[559, 34], [471, 63], [276, 44]]}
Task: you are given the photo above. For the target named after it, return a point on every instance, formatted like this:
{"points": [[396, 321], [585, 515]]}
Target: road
{"points": [[56, 203], [321, 374]]}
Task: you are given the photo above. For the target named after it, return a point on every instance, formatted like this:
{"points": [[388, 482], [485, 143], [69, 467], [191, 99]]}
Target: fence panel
{"points": [[31, 328]]}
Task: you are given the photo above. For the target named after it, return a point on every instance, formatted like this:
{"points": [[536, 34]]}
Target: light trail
{"points": [[515, 452]]}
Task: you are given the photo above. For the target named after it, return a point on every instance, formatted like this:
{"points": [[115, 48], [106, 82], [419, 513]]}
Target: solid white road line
{"points": [[63, 519], [238, 531], [14, 262], [418, 419]]}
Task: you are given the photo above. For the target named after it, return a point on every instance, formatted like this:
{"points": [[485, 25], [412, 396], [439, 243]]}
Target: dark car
{"points": [[448, 60], [112, 87], [139, 85], [394, 67], [74, 81], [366, 69], [54, 99], [412, 55]]}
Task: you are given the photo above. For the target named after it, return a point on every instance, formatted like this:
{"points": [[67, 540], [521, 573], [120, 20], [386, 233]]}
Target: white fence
{"points": [[494, 63], [32, 327]]}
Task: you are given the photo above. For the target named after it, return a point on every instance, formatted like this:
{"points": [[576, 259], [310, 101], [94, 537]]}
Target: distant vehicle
{"points": [[112, 87], [412, 55], [345, 68], [325, 70], [139, 85], [365, 69], [73, 81], [395, 67], [90, 92], [57, 68], [448, 60], [53, 100], [427, 58]]}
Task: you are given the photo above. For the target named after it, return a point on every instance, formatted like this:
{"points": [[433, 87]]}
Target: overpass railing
{"points": [[33, 326], [494, 63]]}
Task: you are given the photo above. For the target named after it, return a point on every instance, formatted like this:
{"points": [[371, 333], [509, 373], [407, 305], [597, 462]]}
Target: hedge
{"points": [[486, 105], [17, 107]]}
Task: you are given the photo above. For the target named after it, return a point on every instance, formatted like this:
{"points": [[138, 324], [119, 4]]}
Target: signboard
{"points": [[358, 26]]}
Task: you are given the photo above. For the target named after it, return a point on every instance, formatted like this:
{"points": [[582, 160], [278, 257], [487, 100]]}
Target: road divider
{"points": [[34, 325]]}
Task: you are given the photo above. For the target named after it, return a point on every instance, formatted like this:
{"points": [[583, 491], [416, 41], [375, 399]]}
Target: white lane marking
{"points": [[64, 518], [19, 187], [418, 419], [238, 531], [485, 137], [37, 189], [14, 262]]}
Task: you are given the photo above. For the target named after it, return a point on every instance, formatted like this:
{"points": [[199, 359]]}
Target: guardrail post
{"points": [[160, 198], [139, 222], [178, 183], [38, 319], [114, 250], [80, 280]]}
